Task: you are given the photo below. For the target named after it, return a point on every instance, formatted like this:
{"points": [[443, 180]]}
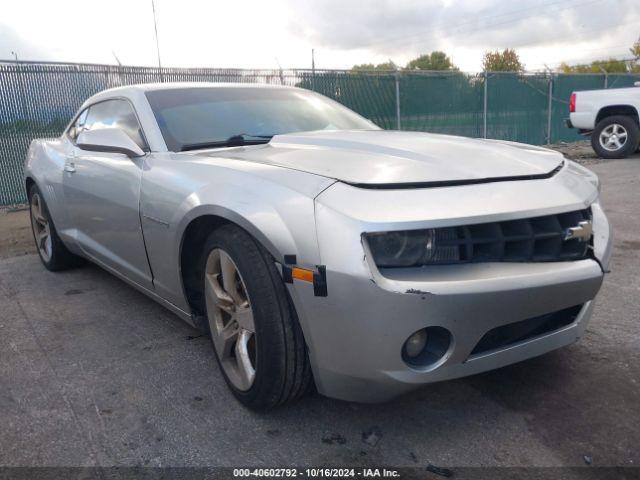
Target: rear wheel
{"points": [[615, 137], [53, 253], [253, 326]]}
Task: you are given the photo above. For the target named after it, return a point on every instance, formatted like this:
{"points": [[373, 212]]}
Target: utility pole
{"points": [[155, 26], [119, 69], [549, 110], [280, 71], [116, 57], [549, 104], [485, 104], [606, 77], [398, 122], [313, 69]]}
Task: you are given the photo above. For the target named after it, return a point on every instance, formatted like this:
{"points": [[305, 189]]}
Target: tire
{"points": [[52, 252], [276, 349], [614, 127]]}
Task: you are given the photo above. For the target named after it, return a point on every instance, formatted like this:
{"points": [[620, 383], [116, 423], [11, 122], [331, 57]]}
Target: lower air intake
{"points": [[512, 333]]}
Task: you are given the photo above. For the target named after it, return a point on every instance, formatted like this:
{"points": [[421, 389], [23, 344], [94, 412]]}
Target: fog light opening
{"points": [[415, 343], [426, 346]]}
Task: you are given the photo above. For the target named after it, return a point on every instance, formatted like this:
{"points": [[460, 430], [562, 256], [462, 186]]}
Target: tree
{"points": [[436, 61], [369, 67], [611, 65], [635, 50], [505, 61]]}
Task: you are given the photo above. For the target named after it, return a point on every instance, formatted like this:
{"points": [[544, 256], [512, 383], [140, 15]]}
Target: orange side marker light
{"points": [[302, 274]]}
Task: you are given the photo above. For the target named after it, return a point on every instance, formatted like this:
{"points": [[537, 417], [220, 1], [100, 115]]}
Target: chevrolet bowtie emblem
{"points": [[582, 232]]}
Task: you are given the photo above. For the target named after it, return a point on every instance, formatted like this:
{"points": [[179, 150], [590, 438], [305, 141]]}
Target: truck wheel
{"points": [[615, 137], [53, 253], [253, 326]]}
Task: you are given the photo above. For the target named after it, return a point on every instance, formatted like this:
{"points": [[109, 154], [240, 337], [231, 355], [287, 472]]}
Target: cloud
{"points": [[11, 41], [401, 29], [263, 34]]}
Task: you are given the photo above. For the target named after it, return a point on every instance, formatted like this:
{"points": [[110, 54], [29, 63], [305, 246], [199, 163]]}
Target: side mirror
{"points": [[114, 140]]}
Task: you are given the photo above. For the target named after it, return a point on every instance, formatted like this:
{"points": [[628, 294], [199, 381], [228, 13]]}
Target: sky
{"points": [[281, 33]]}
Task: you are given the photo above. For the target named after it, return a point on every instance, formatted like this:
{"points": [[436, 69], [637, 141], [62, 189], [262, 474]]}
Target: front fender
{"points": [[275, 205], [282, 231], [44, 165]]}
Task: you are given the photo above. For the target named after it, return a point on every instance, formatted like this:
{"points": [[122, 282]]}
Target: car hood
{"points": [[379, 158]]}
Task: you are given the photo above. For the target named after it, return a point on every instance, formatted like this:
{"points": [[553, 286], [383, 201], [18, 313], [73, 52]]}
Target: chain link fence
{"points": [[38, 99]]}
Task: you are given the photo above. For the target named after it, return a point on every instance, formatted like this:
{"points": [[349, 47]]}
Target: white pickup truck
{"points": [[610, 117]]}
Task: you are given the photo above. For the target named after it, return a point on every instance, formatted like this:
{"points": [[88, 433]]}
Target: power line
{"points": [[470, 22], [155, 26], [453, 31], [572, 35], [449, 30], [529, 44]]}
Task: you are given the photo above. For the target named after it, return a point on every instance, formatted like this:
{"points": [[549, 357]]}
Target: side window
{"points": [[78, 125], [116, 113]]}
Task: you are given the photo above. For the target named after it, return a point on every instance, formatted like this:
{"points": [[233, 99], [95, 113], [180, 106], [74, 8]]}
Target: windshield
{"points": [[207, 117]]}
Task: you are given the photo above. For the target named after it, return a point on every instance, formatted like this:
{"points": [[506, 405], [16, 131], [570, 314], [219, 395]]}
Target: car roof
{"points": [[146, 87], [138, 90]]}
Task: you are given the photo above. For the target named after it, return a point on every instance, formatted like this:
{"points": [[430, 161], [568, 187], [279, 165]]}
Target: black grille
{"points": [[516, 332], [538, 239]]}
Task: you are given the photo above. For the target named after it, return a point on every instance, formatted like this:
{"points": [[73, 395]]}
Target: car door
{"points": [[102, 196]]}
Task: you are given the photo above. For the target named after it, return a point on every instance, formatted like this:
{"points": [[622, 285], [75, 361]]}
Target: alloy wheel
{"points": [[613, 137], [41, 227], [230, 319]]}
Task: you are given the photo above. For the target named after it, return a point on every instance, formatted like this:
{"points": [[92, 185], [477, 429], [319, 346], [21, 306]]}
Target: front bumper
{"points": [[358, 331], [355, 334]]}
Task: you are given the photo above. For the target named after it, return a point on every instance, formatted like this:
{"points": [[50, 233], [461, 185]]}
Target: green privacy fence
{"points": [[38, 99]]}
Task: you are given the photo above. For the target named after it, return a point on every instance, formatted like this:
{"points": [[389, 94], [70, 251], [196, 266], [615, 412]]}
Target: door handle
{"points": [[69, 167]]}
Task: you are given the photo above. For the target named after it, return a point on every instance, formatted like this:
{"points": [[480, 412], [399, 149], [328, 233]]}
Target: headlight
{"points": [[413, 247], [533, 239]]}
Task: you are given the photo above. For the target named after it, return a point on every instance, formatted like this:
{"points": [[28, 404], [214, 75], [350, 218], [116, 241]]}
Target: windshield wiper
{"points": [[233, 141]]}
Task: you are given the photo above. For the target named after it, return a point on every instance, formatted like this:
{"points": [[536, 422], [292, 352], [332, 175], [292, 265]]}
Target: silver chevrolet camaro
{"points": [[315, 248]]}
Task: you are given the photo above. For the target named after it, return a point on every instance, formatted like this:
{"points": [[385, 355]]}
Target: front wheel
{"points": [[253, 326], [615, 137], [54, 254]]}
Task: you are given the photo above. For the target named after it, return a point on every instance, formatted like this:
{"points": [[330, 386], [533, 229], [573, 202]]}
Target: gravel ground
{"points": [[15, 234], [94, 373], [580, 152]]}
